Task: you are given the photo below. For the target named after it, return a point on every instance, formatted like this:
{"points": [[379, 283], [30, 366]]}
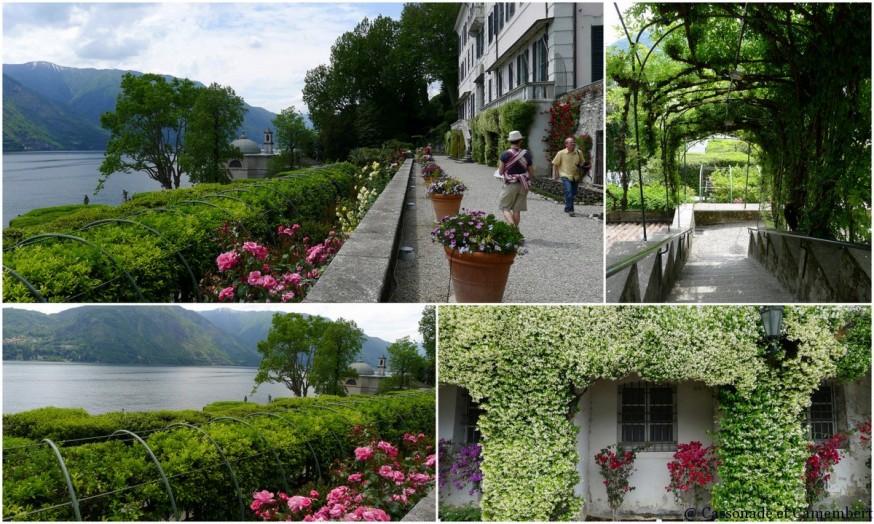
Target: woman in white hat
{"points": [[516, 169]]}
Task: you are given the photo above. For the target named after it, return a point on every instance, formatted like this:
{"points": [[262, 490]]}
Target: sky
{"points": [[386, 321], [613, 28], [261, 50]]}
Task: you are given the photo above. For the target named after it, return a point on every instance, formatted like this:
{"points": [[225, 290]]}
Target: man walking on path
{"points": [[516, 169], [565, 165]]}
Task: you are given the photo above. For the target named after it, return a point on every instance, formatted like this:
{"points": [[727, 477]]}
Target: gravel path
{"points": [[565, 263]]}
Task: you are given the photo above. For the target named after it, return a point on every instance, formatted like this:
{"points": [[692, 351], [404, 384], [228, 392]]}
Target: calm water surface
{"points": [[100, 388], [37, 179]]}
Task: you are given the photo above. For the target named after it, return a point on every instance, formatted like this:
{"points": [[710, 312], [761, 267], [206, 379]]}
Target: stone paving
{"points": [[565, 263], [718, 270]]}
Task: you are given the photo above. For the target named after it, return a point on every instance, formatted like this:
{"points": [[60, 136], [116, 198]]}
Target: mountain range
{"points": [[47, 107], [156, 335]]}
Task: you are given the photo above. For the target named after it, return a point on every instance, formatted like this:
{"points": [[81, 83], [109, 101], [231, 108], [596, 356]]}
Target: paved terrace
{"points": [[565, 259]]}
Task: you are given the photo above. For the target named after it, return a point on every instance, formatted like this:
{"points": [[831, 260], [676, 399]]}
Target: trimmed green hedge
{"points": [[65, 270], [116, 479]]}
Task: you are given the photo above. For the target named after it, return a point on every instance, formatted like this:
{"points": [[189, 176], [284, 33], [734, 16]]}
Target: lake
{"points": [[37, 179], [100, 388]]}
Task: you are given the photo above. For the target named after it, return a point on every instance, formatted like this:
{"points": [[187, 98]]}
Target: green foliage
{"points": [[339, 345], [116, 479], [522, 365], [146, 127], [288, 352], [428, 330], [730, 188], [466, 513], [489, 129], [653, 194], [43, 215], [216, 115], [405, 364], [515, 115], [808, 114], [184, 219], [456, 144]]}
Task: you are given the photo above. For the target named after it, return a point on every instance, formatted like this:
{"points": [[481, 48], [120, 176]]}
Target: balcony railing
{"points": [[544, 91]]}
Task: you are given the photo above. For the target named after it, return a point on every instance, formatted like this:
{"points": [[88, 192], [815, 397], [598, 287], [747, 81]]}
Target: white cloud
{"points": [[261, 50]]}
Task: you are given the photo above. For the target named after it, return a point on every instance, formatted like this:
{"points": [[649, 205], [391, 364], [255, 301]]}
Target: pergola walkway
{"points": [[565, 259]]}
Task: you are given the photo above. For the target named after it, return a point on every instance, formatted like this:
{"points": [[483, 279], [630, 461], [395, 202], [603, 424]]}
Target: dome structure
{"points": [[246, 146], [363, 368]]}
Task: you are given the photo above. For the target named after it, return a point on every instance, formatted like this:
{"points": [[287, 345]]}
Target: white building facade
{"points": [[526, 51], [635, 413]]}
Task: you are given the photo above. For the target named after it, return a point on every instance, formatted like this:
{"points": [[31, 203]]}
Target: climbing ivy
{"points": [[525, 365]]}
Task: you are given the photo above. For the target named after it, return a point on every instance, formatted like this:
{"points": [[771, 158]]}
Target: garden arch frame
{"points": [[775, 86]]}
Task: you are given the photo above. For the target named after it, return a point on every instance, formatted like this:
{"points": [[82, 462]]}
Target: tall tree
{"points": [[216, 116], [146, 129], [289, 351], [428, 330], [339, 345], [405, 363], [292, 135], [372, 85]]}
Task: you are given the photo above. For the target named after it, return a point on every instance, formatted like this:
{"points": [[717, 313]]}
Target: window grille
{"points": [[648, 416], [821, 420]]}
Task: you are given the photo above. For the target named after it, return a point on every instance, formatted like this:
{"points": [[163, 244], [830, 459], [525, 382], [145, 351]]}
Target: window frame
{"points": [[648, 425]]}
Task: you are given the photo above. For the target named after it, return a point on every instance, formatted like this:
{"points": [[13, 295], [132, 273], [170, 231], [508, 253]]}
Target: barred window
{"points": [[648, 416], [471, 418], [821, 416]]}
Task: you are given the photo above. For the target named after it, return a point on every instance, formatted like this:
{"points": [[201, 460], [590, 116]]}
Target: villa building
{"points": [[637, 413], [254, 159], [368, 379], [535, 52]]}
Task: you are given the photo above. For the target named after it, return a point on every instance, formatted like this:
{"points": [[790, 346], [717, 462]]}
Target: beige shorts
{"points": [[513, 197]]}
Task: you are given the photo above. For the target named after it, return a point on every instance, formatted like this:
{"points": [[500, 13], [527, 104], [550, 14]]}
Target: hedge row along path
{"points": [[157, 247], [189, 467]]}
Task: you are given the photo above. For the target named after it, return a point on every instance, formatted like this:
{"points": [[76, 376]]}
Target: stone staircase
{"points": [[718, 271]]}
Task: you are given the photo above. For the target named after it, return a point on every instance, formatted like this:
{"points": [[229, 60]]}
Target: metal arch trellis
{"points": [[261, 436], [331, 431], [36, 238], [224, 457], [70, 489], [384, 404], [293, 426], [158, 464], [36, 294], [177, 252]]}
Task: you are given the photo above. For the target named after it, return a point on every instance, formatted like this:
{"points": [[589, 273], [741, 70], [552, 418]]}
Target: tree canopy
{"points": [[375, 87], [766, 73], [405, 364], [288, 353], [292, 136], [169, 127], [339, 345]]}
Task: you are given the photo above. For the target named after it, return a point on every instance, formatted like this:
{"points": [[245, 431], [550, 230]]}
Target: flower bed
{"points": [[381, 483]]}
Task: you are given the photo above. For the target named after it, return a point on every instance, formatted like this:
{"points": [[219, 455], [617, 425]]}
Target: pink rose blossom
{"points": [[268, 282], [390, 450], [297, 503], [355, 477], [430, 461], [254, 278], [257, 251], [288, 297], [227, 260], [227, 293], [363, 453]]}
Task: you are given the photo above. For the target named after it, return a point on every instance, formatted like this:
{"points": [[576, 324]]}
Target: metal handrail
{"points": [[619, 266], [862, 247]]}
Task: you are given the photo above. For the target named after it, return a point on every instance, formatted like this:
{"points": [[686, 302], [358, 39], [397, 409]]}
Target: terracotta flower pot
{"points": [[479, 277], [445, 205]]}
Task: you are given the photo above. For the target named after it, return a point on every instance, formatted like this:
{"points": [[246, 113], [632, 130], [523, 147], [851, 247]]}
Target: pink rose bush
{"points": [[381, 482], [248, 271]]}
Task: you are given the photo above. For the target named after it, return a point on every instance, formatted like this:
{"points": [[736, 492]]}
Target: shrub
{"points": [[171, 229], [283, 445]]}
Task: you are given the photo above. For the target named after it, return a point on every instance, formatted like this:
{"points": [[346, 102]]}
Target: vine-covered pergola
{"points": [[527, 367], [794, 80]]}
